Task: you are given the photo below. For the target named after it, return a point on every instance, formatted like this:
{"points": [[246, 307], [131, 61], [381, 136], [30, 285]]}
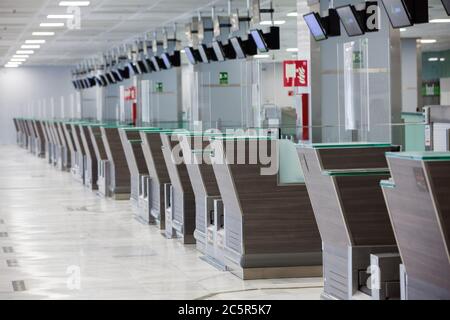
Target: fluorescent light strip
{"points": [[34, 41], [292, 14], [442, 59], [11, 65], [18, 60], [269, 23], [433, 59], [427, 41], [261, 56], [21, 56], [52, 24], [24, 51], [440, 21], [43, 34], [31, 46], [74, 3], [60, 16], [402, 29]]}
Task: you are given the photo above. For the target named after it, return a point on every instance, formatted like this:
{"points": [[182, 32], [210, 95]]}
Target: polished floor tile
{"points": [[59, 240]]}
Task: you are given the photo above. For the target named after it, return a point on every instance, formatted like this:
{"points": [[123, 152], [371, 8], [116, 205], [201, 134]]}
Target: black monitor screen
{"points": [[116, 75], [218, 50], [190, 55], [258, 37], [238, 47], [315, 26], [446, 4], [110, 78], [398, 13], [349, 19], [166, 59]]}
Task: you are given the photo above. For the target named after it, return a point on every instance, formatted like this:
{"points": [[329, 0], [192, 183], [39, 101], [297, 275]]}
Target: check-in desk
{"points": [[120, 179], [17, 128], [103, 164], [79, 163], [31, 136], [418, 200], [91, 164], [42, 141], [66, 162], [71, 146], [268, 224], [197, 155], [153, 206], [51, 143], [179, 195], [58, 146], [132, 145], [343, 185]]}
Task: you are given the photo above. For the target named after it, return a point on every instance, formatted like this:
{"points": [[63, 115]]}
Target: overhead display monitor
{"points": [[260, 42], [446, 4], [157, 63], [110, 78], [116, 75], [218, 50], [398, 13], [166, 59], [349, 18], [314, 23], [192, 55], [238, 47], [205, 53]]}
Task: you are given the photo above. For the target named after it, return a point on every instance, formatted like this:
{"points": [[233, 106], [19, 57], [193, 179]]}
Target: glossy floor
{"points": [[60, 241]]}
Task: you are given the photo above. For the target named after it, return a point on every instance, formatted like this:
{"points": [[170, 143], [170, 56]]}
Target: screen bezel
{"points": [[218, 46], [319, 22], [192, 54], [261, 36], [355, 14], [405, 8], [240, 44], [165, 57]]}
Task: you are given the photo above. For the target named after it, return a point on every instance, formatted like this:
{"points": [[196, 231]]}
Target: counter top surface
{"points": [[344, 145], [420, 156]]}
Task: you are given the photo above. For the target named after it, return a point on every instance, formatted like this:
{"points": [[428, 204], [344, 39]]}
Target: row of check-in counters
{"points": [[373, 221]]}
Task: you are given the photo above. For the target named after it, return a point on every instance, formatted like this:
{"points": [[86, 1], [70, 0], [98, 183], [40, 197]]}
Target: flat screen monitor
{"points": [[110, 78], [260, 42], [116, 75], [398, 13], [75, 84], [166, 59], [125, 73], [133, 68], [218, 50], [143, 66], [446, 4], [103, 80], [314, 23], [349, 18], [192, 55], [206, 54], [238, 47], [156, 63]]}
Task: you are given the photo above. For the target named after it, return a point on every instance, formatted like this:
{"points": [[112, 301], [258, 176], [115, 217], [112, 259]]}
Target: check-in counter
{"points": [[59, 146], [343, 185], [153, 205], [17, 128], [132, 145], [31, 136], [71, 147], [66, 162], [52, 143], [120, 179], [179, 195], [103, 164], [197, 154], [268, 224], [40, 139], [42, 126], [91, 164], [418, 200], [79, 164]]}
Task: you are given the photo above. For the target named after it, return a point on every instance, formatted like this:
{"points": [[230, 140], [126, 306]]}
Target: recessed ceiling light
{"points": [[34, 41], [402, 29], [433, 59], [261, 56], [11, 65], [442, 59], [52, 24], [45, 34], [440, 21], [18, 60], [21, 56], [292, 49], [269, 23], [31, 46], [74, 3], [292, 14], [427, 40], [15, 62], [60, 16], [24, 51]]}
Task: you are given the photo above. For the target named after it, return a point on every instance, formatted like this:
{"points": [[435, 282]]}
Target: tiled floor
{"points": [[60, 241]]}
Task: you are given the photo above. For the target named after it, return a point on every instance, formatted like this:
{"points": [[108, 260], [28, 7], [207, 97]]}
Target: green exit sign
{"points": [[159, 87], [223, 78]]}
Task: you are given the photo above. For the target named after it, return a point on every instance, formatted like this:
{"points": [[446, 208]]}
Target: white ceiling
{"points": [[108, 23]]}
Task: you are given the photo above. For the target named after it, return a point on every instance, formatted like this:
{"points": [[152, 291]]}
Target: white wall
{"points": [[31, 92]]}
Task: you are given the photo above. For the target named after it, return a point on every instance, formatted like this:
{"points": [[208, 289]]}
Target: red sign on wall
{"points": [[130, 94], [295, 73]]}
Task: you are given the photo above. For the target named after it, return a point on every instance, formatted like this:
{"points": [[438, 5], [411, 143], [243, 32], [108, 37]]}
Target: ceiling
{"points": [[106, 24]]}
